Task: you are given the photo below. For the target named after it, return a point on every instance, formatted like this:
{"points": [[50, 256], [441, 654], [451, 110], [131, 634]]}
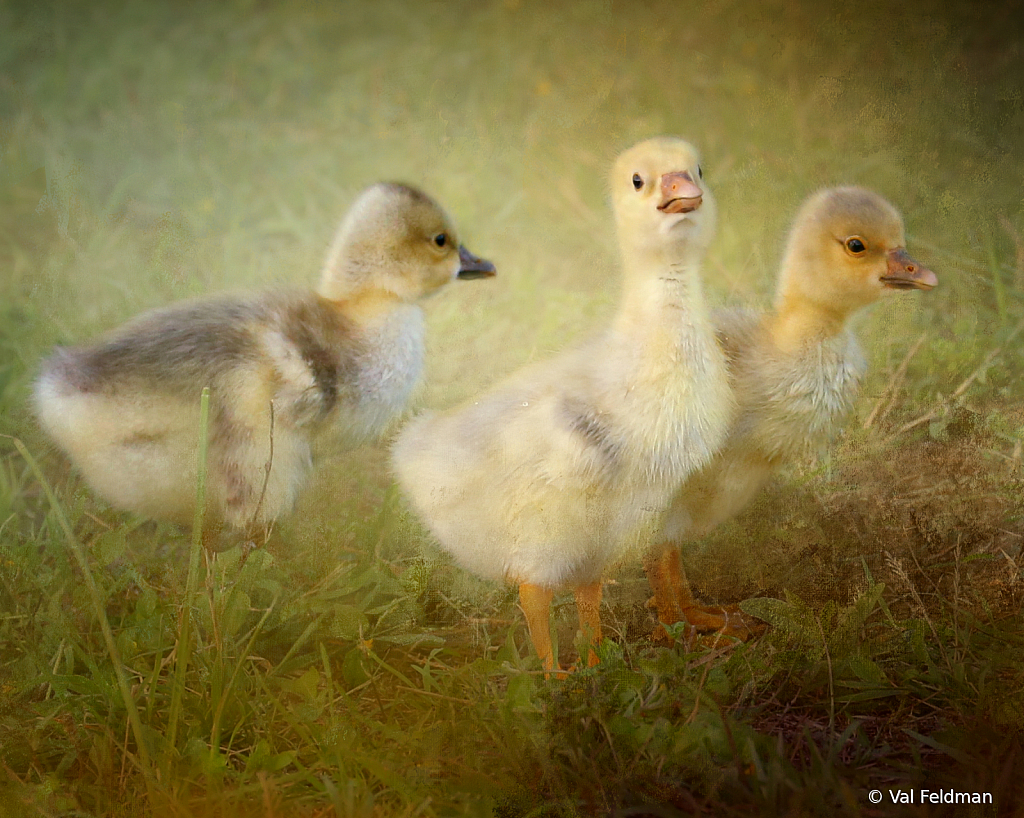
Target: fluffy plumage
{"points": [[278, 363], [795, 374], [553, 474]]}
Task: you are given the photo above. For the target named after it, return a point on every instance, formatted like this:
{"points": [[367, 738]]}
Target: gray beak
{"points": [[471, 266]]}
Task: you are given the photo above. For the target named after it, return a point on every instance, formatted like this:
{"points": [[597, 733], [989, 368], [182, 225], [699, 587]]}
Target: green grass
{"points": [[150, 152]]}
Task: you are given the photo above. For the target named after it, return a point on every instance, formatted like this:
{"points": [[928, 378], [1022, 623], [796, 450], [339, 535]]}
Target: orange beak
{"points": [[679, 193]]}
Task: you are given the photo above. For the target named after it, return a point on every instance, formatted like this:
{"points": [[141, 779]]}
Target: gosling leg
{"points": [[588, 608], [536, 604]]}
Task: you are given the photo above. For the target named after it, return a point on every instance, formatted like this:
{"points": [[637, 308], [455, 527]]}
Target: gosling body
{"points": [[281, 365], [555, 473], [796, 374]]}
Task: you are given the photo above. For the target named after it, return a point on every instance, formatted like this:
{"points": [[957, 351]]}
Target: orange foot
{"points": [[675, 603], [716, 620], [724, 620]]}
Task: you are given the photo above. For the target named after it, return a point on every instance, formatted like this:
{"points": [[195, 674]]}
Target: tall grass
{"points": [[152, 152]]}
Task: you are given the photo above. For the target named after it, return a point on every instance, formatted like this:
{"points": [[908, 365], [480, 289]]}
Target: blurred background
{"points": [[155, 151]]}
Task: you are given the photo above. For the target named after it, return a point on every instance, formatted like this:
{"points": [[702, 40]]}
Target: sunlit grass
{"points": [[155, 152]]}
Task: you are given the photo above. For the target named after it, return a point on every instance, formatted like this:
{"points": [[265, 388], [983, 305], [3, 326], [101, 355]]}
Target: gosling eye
{"points": [[441, 239], [855, 245], [638, 181], [700, 172]]}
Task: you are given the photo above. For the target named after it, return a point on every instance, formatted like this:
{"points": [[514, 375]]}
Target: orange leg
{"points": [[588, 608], [536, 604], [671, 590], [674, 600]]}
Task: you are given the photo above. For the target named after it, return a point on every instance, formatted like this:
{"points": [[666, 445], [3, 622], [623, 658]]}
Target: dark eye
{"points": [[700, 172], [637, 181], [441, 239], [855, 245]]}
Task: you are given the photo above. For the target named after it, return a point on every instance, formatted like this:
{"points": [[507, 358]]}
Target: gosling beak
{"points": [[471, 266], [679, 193], [904, 273]]}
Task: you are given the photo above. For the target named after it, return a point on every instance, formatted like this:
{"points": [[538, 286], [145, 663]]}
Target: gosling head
{"points": [[846, 249], [398, 242], [659, 195]]}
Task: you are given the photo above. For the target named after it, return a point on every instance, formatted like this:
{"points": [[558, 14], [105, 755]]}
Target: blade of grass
{"points": [[215, 728], [1018, 245], [964, 385], [997, 279], [298, 643], [329, 683], [393, 671], [98, 609], [184, 646], [158, 664], [888, 396], [928, 741]]}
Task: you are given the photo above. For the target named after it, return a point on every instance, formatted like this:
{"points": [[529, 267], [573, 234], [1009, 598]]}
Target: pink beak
{"points": [[679, 193], [904, 273]]}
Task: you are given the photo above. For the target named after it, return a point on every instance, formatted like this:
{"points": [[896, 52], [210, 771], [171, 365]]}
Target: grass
{"points": [[151, 152]]}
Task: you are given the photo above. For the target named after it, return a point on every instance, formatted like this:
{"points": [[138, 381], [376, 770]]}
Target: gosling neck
{"points": [[660, 283], [800, 322], [367, 306]]}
